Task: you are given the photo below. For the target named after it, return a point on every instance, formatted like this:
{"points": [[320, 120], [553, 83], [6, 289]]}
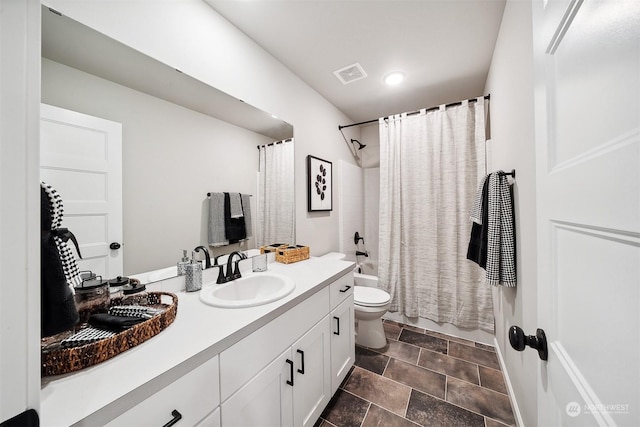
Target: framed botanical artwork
{"points": [[320, 185]]}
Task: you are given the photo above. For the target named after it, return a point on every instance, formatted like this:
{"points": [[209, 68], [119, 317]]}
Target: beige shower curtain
{"points": [[430, 166]]}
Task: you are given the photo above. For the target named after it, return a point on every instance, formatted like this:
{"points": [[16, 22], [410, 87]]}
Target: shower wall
{"points": [[371, 219], [359, 192], [351, 215]]}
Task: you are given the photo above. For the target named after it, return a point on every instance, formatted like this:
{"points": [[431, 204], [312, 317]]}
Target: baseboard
{"points": [[507, 382], [444, 328]]}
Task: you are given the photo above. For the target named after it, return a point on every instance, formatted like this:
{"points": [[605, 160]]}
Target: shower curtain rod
{"points": [[453, 104], [274, 143]]}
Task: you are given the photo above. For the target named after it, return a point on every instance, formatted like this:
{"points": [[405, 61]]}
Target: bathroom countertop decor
{"points": [[57, 360], [199, 333]]}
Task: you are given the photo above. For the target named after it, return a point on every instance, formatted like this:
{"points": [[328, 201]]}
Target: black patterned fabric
{"points": [[57, 305], [479, 241], [61, 237], [492, 243]]}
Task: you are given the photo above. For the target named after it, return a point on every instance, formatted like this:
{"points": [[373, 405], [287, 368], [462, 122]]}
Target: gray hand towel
{"points": [[246, 208], [216, 220], [236, 205]]}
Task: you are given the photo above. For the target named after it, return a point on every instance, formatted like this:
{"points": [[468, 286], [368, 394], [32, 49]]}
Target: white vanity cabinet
{"points": [[266, 400], [342, 330], [312, 374], [211, 420], [193, 398], [343, 350], [291, 391], [282, 374]]}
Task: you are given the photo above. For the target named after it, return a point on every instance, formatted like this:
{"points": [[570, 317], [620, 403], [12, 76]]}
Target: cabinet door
{"points": [[211, 420], [343, 350], [312, 388], [266, 400]]}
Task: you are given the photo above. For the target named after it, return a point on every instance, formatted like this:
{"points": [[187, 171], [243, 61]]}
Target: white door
{"points": [[587, 97], [81, 157]]}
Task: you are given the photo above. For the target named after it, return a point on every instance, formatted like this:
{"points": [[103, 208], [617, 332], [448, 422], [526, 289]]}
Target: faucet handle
{"points": [[236, 271], [221, 277]]}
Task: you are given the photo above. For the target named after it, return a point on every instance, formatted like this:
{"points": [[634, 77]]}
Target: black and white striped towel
{"points": [[501, 261]]}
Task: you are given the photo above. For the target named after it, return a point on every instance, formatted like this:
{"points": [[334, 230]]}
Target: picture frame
{"points": [[319, 184]]}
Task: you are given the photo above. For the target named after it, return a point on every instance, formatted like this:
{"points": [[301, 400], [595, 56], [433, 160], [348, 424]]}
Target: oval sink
{"points": [[248, 291]]}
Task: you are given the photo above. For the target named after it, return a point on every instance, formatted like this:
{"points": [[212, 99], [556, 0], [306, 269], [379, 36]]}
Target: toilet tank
{"points": [[335, 255], [365, 280]]}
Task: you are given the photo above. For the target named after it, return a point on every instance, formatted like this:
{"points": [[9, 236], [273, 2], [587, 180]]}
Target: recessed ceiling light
{"points": [[394, 78]]}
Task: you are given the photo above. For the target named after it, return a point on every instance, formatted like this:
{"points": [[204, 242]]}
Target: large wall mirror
{"points": [[181, 139]]}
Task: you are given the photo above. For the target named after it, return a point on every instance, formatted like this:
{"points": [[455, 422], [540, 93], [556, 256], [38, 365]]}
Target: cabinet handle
{"points": [[177, 416], [338, 324], [302, 361], [291, 372], [345, 289]]}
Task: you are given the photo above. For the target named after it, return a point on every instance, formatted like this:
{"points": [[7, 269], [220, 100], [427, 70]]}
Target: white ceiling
{"points": [[443, 46]]}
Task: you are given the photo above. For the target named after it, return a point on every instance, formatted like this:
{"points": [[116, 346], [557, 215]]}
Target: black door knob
{"points": [[114, 246], [519, 341]]}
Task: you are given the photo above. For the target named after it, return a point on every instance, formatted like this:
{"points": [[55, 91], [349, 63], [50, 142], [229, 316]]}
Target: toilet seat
{"points": [[370, 297]]}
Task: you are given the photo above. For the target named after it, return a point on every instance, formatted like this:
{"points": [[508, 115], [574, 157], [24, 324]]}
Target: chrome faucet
{"points": [[207, 257]]}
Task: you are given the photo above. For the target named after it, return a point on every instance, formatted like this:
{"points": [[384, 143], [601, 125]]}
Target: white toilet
{"points": [[370, 304]]}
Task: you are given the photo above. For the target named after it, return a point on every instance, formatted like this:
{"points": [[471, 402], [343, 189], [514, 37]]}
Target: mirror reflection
{"points": [[180, 139]]}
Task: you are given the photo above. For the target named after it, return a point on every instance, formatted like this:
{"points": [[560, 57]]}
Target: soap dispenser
{"points": [[183, 263], [193, 275]]}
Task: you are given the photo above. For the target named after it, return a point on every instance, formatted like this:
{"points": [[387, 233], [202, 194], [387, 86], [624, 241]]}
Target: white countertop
{"points": [[198, 333]]}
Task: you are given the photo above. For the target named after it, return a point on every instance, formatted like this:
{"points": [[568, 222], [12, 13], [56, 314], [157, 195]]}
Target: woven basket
{"points": [[291, 254], [56, 360], [272, 247]]}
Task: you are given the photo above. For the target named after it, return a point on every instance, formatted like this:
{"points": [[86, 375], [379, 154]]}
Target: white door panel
{"points": [[81, 157], [588, 157]]}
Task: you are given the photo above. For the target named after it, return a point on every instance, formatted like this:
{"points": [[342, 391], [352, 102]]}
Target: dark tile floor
{"points": [[421, 378]]}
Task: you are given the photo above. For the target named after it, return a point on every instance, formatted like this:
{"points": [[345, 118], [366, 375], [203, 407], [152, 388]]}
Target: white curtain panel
{"points": [[276, 207], [430, 165]]}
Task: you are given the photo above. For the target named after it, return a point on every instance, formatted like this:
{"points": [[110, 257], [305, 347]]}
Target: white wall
{"points": [[172, 157], [212, 50], [370, 155], [510, 83], [19, 207]]}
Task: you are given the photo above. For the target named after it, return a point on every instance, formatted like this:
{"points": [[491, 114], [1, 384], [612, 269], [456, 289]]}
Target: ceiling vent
{"points": [[350, 73]]}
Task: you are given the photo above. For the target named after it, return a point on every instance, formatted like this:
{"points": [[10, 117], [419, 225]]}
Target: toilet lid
{"points": [[372, 297]]}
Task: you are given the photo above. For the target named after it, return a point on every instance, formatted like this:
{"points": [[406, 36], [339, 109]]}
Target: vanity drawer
{"points": [[341, 289], [193, 396]]}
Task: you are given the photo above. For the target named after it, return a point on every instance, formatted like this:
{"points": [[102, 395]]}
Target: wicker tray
{"points": [[56, 360], [291, 254]]}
